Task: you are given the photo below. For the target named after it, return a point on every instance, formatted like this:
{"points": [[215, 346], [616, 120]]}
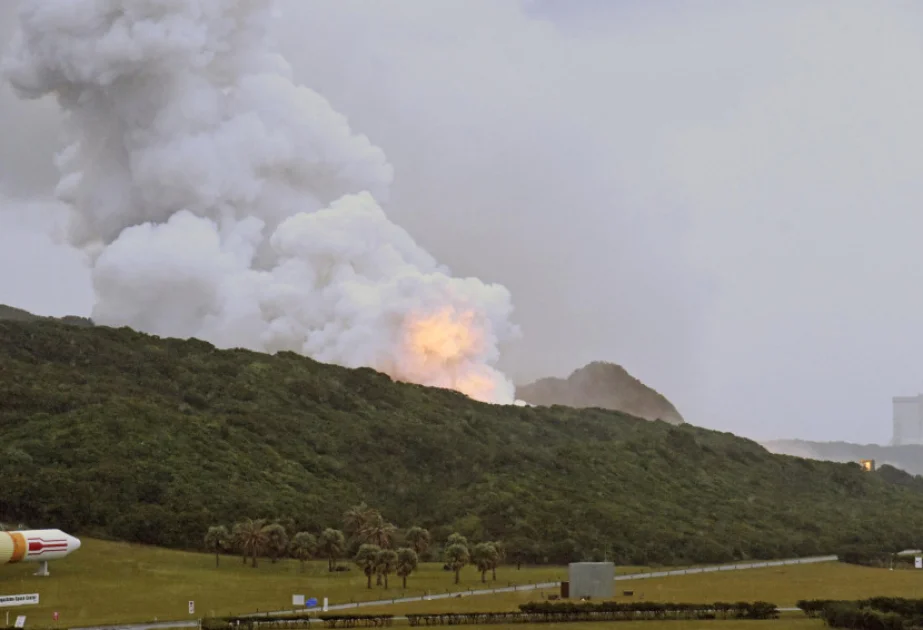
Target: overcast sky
{"points": [[722, 197]]}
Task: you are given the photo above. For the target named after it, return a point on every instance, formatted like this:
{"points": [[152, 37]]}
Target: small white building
{"points": [[908, 420], [595, 580]]}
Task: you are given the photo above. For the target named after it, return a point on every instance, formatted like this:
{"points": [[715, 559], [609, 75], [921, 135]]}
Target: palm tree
{"points": [[418, 539], [378, 531], [367, 559], [217, 539], [276, 541], [498, 558], [406, 563], [385, 563], [251, 538], [457, 539], [456, 556], [356, 519], [331, 545], [520, 551], [303, 547], [236, 541], [484, 556]]}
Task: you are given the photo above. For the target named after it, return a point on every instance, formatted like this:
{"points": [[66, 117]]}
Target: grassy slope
{"points": [[116, 433], [783, 586], [12, 313], [106, 582]]}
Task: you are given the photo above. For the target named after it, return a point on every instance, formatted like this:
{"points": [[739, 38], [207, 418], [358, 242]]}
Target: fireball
{"points": [[444, 336], [443, 348]]}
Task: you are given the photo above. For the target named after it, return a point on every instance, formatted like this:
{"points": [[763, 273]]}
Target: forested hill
{"points": [[18, 314], [603, 385], [907, 457], [112, 432]]}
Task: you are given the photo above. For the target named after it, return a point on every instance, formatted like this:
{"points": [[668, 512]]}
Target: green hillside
{"points": [[114, 433], [907, 457], [18, 314]]}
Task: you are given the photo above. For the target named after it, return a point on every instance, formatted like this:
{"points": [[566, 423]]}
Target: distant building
{"points": [[595, 580], [908, 420], [867, 464]]}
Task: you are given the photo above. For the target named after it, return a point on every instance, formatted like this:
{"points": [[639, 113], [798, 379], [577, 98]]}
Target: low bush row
{"points": [[353, 621], [816, 607], [876, 559], [293, 621], [657, 610], [547, 612], [533, 612], [876, 613], [841, 615]]}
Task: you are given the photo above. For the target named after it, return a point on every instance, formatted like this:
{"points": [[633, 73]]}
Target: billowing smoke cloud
{"points": [[220, 200]]}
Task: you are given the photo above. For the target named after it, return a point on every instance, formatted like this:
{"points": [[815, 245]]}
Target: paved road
{"points": [[488, 591]]}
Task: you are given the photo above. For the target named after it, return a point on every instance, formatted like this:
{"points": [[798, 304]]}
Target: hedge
{"points": [[547, 612], [293, 621], [876, 613]]}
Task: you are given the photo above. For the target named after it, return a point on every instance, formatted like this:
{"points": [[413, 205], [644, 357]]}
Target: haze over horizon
{"points": [[719, 198]]}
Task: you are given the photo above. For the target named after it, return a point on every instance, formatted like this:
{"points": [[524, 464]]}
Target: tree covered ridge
{"points": [[18, 314], [603, 385], [114, 433]]}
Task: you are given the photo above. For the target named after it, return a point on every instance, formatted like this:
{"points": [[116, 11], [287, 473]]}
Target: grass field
{"points": [[114, 582], [783, 586], [107, 582]]}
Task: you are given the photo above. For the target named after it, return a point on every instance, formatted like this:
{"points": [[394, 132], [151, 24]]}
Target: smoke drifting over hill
{"points": [[718, 196], [220, 200]]}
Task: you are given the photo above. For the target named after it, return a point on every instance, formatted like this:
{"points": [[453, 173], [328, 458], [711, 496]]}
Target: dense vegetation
{"points": [[533, 612], [19, 315], [877, 613], [907, 457], [113, 433], [877, 559], [603, 385]]}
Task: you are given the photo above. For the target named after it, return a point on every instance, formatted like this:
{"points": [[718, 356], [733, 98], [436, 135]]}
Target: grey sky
{"points": [[719, 196]]}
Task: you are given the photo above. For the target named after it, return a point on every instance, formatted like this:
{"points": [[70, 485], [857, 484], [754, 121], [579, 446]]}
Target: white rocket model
{"points": [[36, 545]]}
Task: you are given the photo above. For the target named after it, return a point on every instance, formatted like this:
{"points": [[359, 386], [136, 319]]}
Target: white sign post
{"points": [[325, 604], [18, 600], [191, 607]]}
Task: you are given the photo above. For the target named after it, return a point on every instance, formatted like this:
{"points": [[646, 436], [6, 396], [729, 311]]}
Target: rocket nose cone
{"points": [[73, 544]]}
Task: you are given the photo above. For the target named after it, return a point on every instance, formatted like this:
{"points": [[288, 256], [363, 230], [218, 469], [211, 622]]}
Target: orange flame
{"points": [[441, 344], [444, 336], [477, 386]]}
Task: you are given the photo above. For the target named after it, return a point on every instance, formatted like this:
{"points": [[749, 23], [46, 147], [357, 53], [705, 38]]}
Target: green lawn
{"points": [[783, 586], [107, 582]]}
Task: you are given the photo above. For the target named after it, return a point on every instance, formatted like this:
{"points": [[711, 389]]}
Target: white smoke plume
{"points": [[220, 200]]}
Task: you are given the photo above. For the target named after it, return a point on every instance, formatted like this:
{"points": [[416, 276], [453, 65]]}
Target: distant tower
{"points": [[908, 420]]}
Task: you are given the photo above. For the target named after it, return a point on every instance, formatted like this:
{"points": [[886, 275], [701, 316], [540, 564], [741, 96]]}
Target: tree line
{"points": [[376, 546], [150, 440], [529, 613], [877, 613]]}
